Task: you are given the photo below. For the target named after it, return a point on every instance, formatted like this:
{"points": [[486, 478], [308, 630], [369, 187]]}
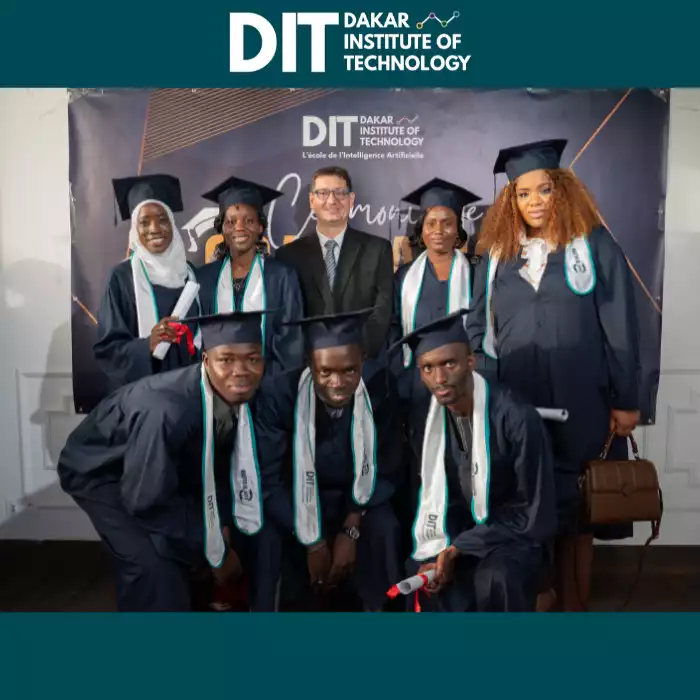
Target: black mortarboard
{"points": [[230, 328], [333, 330], [131, 191], [440, 193], [443, 331], [234, 190], [539, 155]]}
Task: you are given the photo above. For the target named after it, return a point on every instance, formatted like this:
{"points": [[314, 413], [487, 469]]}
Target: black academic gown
{"points": [[122, 355], [561, 350], [414, 395], [501, 560], [284, 345], [134, 465], [378, 562]]}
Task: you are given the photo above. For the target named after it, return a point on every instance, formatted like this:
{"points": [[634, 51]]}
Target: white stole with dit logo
{"points": [[246, 489], [307, 508], [430, 535]]}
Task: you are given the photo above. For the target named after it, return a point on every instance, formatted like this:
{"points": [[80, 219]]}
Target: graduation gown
{"points": [[414, 396], [503, 558], [134, 465], [120, 352], [284, 345], [560, 349], [378, 562]]}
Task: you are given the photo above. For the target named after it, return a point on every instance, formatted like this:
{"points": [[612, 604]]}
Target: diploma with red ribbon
{"points": [[189, 294], [412, 584], [180, 330]]}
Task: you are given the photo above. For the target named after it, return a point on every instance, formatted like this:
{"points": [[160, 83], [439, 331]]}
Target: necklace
{"points": [[238, 284], [462, 436]]}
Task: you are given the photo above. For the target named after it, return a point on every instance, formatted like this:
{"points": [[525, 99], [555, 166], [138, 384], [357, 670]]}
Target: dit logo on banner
{"points": [[317, 21], [316, 131]]}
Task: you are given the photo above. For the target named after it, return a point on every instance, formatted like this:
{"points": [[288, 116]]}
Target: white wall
{"points": [[674, 442], [36, 407], [36, 410]]}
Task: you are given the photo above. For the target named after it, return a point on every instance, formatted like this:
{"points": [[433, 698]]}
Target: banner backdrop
{"points": [[391, 141]]}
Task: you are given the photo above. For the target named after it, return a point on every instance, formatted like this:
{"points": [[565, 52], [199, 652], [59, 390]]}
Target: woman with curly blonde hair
{"points": [[554, 318]]}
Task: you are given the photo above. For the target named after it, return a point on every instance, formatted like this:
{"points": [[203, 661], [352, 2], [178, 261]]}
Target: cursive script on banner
{"points": [[203, 222]]}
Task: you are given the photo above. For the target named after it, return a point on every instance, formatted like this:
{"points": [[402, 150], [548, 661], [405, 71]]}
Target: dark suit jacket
{"points": [[364, 278]]}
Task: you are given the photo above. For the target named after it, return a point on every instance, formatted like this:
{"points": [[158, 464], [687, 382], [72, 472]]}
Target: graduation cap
{"points": [[333, 330], [234, 190], [443, 331], [441, 193], [131, 191], [539, 155], [229, 328]]}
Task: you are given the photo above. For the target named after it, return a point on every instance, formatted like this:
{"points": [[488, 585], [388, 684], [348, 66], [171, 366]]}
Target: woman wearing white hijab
{"points": [[142, 291]]}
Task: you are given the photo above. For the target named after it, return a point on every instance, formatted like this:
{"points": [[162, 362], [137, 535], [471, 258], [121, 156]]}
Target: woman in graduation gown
{"points": [[243, 278], [554, 311], [142, 291], [435, 284]]}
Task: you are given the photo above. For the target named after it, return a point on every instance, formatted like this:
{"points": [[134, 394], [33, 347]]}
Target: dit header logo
{"points": [[317, 21]]}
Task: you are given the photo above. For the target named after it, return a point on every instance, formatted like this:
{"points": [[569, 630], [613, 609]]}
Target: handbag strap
{"points": [[655, 530], [608, 445], [635, 449]]}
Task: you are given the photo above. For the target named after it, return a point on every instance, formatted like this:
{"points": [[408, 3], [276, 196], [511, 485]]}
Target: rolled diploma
{"points": [[560, 415], [409, 585], [189, 294]]}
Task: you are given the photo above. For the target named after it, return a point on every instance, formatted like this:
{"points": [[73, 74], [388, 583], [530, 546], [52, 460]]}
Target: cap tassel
{"points": [[180, 330]]}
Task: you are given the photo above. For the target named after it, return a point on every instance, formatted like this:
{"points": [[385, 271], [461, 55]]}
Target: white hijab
{"points": [[168, 269]]}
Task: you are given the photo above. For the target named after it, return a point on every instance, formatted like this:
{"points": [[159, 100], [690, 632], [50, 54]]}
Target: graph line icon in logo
{"points": [[443, 22]]}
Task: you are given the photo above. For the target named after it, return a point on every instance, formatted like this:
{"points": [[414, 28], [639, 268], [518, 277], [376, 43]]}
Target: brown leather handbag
{"points": [[623, 491]]}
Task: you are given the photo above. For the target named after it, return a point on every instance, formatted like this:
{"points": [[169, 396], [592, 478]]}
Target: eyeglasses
{"points": [[340, 194]]}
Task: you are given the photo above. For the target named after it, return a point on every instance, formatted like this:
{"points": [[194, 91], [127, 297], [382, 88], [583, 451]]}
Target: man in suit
{"points": [[340, 268]]}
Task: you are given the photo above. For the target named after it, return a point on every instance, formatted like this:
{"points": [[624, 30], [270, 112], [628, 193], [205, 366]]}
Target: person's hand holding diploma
{"points": [[162, 332]]}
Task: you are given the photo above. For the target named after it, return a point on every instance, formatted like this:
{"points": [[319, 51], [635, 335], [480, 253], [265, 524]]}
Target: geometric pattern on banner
{"points": [[180, 117]]}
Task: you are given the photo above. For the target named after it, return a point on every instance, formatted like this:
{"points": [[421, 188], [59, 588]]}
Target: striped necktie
{"points": [[330, 247]]}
